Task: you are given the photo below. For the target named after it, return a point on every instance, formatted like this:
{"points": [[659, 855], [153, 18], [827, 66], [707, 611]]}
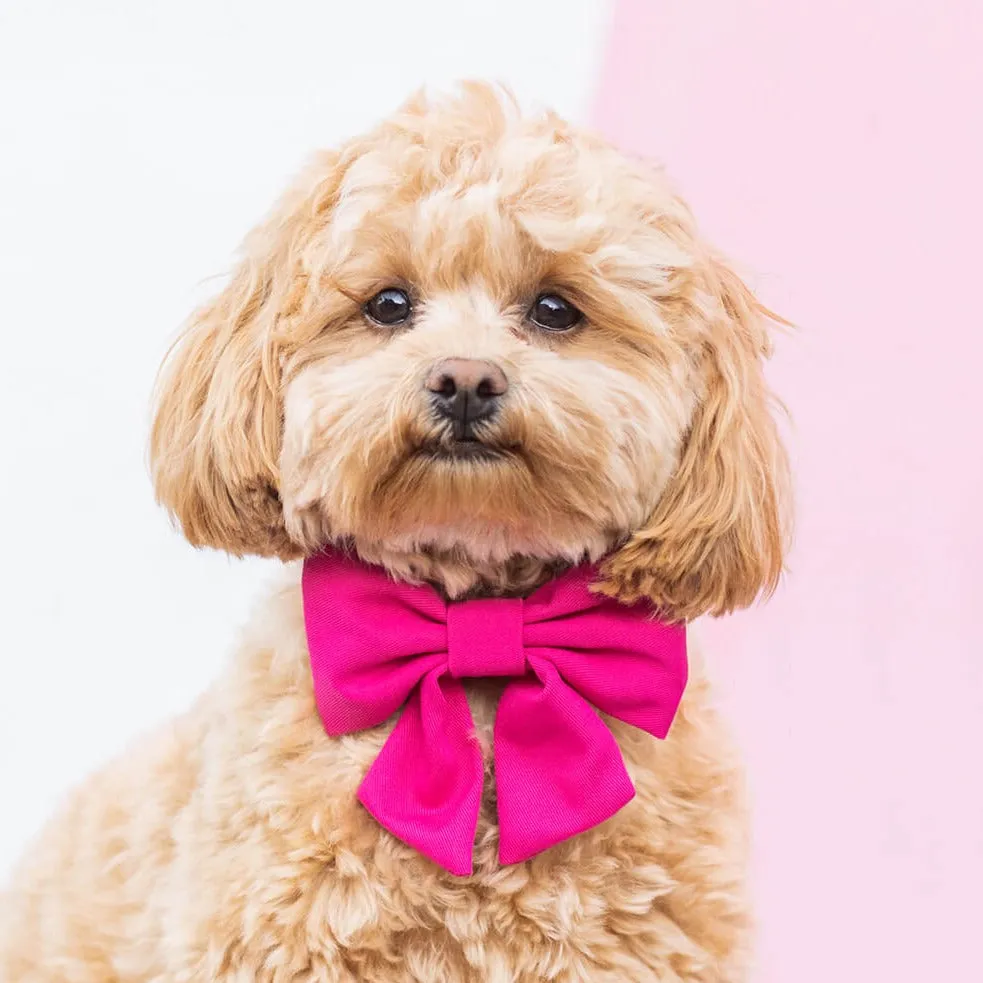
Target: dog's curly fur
{"points": [[231, 846]]}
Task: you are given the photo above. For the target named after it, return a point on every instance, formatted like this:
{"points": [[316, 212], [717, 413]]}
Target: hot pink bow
{"points": [[377, 646]]}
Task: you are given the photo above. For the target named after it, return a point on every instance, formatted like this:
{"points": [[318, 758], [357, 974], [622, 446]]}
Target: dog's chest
{"points": [[366, 905], [377, 913]]}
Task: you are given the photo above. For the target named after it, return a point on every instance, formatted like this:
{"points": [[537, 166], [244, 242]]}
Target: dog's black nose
{"points": [[466, 390]]}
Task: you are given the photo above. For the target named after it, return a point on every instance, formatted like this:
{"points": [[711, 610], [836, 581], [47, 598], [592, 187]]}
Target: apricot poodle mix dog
{"points": [[481, 373]]}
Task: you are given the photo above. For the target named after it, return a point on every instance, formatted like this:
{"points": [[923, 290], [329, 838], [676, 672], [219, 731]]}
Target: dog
{"points": [[614, 413]]}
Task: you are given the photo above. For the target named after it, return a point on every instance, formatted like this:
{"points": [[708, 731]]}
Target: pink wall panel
{"points": [[835, 150]]}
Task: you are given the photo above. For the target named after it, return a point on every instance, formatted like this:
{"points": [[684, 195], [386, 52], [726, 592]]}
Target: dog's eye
{"points": [[389, 306], [552, 313]]}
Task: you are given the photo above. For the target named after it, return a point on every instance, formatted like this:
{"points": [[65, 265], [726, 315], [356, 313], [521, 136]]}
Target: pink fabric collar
{"points": [[376, 646]]}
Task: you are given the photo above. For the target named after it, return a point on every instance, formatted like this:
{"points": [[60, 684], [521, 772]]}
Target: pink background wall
{"points": [[835, 150]]}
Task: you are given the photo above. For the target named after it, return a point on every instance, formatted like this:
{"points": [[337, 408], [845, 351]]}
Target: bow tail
{"points": [[558, 768], [425, 785]]}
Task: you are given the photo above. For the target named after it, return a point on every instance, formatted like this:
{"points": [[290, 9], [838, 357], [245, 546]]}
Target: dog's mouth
{"points": [[468, 450]]}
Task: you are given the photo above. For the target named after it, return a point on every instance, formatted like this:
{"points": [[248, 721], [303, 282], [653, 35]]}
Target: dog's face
{"points": [[478, 336]]}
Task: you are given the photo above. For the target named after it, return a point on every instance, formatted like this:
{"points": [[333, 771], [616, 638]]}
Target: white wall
{"points": [[138, 142]]}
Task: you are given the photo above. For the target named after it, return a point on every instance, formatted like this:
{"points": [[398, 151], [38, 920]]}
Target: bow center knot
{"points": [[484, 638]]}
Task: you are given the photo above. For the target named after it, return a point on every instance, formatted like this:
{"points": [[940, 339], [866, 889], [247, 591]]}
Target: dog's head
{"points": [[484, 338]]}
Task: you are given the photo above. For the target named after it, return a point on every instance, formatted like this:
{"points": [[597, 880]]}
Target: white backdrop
{"points": [[138, 142]]}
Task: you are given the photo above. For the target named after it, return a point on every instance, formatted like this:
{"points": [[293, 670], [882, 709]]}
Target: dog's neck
{"points": [[458, 576]]}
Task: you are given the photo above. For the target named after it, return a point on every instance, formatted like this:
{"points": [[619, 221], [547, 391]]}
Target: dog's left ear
{"points": [[717, 538]]}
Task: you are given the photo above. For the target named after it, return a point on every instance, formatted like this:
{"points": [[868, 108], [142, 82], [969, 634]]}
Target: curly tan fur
{"points": [[230, 845]]}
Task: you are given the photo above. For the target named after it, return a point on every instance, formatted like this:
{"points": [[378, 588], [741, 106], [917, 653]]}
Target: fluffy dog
{"points": [[627, 423]]}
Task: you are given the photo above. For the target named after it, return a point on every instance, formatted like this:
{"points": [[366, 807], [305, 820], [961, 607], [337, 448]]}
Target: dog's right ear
{"points": [[217, 429], [216, 433]]}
